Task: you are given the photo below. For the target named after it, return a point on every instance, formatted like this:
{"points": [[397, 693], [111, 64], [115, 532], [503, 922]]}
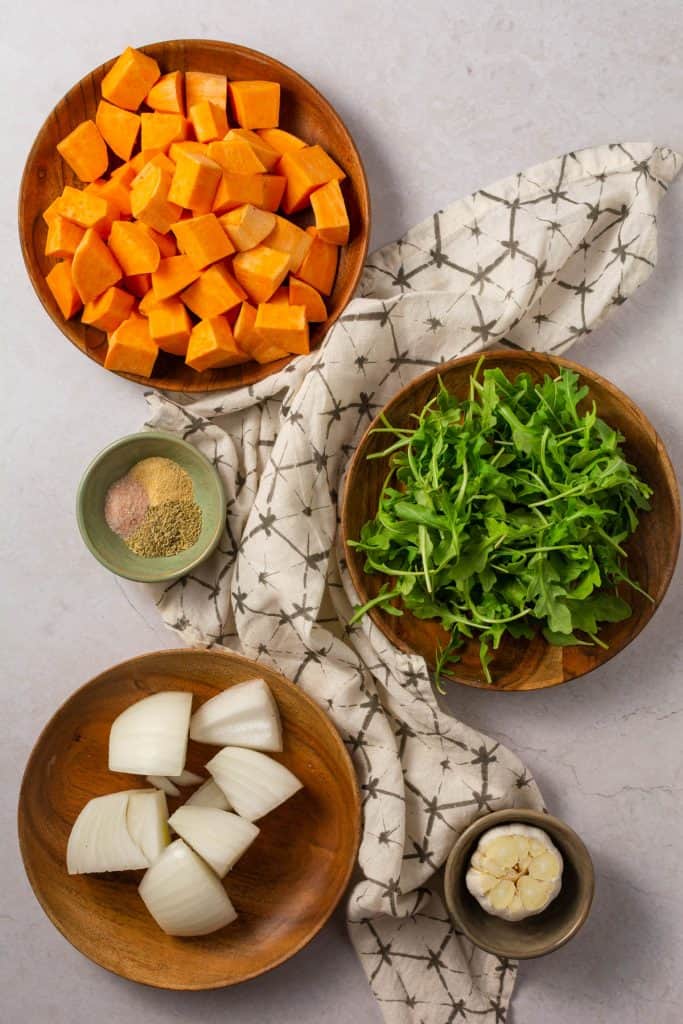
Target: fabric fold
{"points": [[535, 262]]}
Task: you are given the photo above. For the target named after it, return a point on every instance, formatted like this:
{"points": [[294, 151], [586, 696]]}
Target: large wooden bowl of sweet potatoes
{"points": [[303, 111]]}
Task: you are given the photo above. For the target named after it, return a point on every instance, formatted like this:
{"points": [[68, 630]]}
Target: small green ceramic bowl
{"points": [[114, 462], [537, 935]]}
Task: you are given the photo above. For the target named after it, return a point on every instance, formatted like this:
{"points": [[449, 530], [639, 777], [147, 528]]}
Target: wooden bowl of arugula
{"points": [[513, 518]]}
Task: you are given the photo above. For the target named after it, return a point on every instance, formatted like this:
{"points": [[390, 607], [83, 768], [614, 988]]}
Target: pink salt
{"points": [[125, 506]]}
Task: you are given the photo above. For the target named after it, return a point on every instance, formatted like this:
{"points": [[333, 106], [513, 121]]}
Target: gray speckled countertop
{"points": [[442, 97]]}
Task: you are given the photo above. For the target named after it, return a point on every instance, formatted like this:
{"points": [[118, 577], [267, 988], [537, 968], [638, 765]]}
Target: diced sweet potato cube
{"points": [[203, 239], [114, 191], [305, 170], [63, 237], [236, 156], [52, 211], [158, 160], [166, 96], [119, 128], [142, 158], [249, 339], [273, 191], [236, 190], [148, 302], [263, 150], [212, 344], [159, 131], [189, 146], [195, 182], [281, 141], [200, 85], [256, 104], [138, 284], [85, 151], [303, 294], [247, 225], [215, 291], [283, 325], [208, 120], [287, 237], [260, 271], [170, 326], [125, 174], [172, 275], [60, 283], [109, 310], [86, 209], [135, 250], [329, 209], [165, 243], [320, 265], [131, 348], [150, 203], [94, 268], [130, 78]]}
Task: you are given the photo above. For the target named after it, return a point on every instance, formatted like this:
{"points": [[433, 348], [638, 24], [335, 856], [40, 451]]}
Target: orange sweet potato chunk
{"points": [[133, 247], [283, 325], [305, 170], [138, 284], [247, 225], [160, 131], [114, 191], [60, 282], [236, 156], [195, 181], [170, 326], [52, 211], [131, 348], [203, 240], [303, 294], [166, 96], [87, 209], [109, 310], [331, 218], [189, 146], [172, 275], [288, 237], [260, 271], [94, 268], [319, 268], [249, 339], [63, 237], [209, 121], [273, 191], [149, 200], [281, 141], [263, 150], [165, 243], [214, 292], [85, 151], [130, 78], [200, 85], [212, 344], [119, 128], [256, 104]]}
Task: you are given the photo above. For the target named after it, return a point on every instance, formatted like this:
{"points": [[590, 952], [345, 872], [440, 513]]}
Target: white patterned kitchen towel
{"points": [[536, 262]]}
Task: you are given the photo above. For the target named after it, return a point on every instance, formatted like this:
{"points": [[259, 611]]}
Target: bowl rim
{"points": [[101, 457], [497, 351], [361, 187], [553, 826], [335, 739]]}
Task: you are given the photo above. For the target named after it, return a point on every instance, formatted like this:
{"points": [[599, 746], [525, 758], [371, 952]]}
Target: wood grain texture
{"points": [[303, 111], [284, 888], [524, 664]]}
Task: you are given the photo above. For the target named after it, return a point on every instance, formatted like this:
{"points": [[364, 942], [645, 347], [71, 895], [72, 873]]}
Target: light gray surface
{"points": [[442, 98]]}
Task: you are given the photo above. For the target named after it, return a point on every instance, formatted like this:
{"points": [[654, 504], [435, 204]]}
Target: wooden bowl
{"points": [[534, 936], [303, 111], [284, 888], [523, 664]]}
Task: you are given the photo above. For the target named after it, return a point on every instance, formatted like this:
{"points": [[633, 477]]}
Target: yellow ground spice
{"points": [[163, 479]]}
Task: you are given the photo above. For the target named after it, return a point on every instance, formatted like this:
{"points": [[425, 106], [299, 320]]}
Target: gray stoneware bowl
{"points": [[534, 936], [114, 462]]}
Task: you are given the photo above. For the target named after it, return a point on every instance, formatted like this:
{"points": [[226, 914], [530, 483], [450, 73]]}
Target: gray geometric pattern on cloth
{"points": [[535, 261]]}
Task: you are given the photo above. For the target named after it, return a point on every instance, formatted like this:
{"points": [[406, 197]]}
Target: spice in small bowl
{"points": [[151, 507]]}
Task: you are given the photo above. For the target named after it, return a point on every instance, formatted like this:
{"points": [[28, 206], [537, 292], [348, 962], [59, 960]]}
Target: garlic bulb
{"points": [[515, 872]]}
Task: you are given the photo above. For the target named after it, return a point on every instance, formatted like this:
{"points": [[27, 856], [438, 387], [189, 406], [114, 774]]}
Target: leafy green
{"points": [[505, 512]]}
